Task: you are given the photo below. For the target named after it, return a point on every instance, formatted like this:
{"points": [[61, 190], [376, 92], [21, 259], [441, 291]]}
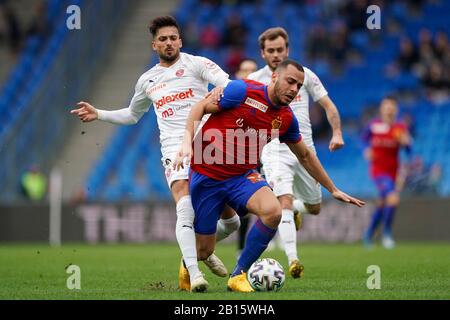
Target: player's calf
{"points": [[205, 245], [313, 209]]}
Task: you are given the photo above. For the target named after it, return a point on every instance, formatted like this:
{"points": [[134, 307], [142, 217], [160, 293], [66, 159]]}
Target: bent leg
{"points": [[265, 205]]}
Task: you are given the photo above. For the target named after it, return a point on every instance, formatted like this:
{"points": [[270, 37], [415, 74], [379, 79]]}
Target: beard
{"points": [[169, 58]]}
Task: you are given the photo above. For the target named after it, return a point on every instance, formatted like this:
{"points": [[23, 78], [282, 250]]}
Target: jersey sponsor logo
{"points": [[276, 123], [156, 88], [167, 113], [256, 104], [179, 73], [174, 97]]}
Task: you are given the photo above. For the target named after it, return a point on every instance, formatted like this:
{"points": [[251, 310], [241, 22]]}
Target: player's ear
{"points": [[153, 45], [181, 43], [262, 54]]}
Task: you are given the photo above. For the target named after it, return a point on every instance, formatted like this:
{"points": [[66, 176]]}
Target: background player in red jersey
{"points": [[226, 153], [385, 136]]}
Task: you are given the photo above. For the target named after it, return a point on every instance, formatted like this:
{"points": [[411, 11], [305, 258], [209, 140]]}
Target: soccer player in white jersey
{"points": [[174, 85], [296, 190]]}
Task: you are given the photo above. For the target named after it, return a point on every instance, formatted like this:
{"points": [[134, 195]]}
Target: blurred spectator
{"points": [[355, 14], [246, 67], [34, 184], [339, 46], [11, 28], [441, 46], [235, 33], [190, 35], [210, 37], [317, 45], [437, 83], [409, 56], [233, 59], [39, 25]]}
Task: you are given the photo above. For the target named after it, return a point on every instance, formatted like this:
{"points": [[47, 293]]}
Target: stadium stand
{"points": [[359, 67], [34, 99], [363, 82]]}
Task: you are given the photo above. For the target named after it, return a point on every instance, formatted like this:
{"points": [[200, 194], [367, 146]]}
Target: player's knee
{"points": [[313, 209], [273, 216], [393, 199], [179, 189], [286, 201]]}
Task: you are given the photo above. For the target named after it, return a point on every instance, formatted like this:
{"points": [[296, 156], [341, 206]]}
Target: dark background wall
{"points": [[416, 220]]}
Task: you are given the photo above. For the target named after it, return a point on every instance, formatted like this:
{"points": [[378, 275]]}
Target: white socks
{"points": [[186, 235], [225, 227], [288, 234]]}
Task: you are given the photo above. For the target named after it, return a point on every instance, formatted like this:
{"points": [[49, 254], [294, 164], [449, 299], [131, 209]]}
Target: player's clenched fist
{"points": [[85, 112]]}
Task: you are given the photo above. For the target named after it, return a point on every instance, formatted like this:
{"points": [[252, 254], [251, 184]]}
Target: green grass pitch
{"points": [[332, 271]]}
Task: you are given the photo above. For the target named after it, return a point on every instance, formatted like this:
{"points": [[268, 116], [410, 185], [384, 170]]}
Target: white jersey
{"points": [[172, 91], [300, 105]]}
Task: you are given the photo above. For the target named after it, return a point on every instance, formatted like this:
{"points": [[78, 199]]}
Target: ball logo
{"points": [[276, 123], [179, 73]]}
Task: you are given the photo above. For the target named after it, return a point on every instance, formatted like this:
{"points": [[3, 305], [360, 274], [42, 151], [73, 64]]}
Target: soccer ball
{"points": [[266, 275]]}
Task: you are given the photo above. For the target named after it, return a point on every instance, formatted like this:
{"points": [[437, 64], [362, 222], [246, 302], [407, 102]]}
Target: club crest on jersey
{"points": [[276, 123], [256, 104], [179, 73]]}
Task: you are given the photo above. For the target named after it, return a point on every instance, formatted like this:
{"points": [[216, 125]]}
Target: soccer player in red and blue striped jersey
{"points": [[384, 137], [226, 152]]}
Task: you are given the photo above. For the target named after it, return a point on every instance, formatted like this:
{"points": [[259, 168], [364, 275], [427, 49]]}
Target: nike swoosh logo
{"points": [[185, 226]]}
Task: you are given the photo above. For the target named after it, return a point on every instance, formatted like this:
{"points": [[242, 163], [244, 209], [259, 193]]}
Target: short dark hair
{"points": [[161, 22], [283, 65], [272, 34], [247, 59], [391, 97]]}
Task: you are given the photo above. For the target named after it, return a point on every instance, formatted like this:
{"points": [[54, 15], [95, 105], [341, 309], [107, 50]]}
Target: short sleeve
{"points": [[314, 86], [233, 94], [292, 135]]}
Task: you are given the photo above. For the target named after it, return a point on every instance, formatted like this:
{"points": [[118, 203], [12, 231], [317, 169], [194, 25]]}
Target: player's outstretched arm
{"points": [[205, 106], [337, 141], [312, 164], [86, 112]]}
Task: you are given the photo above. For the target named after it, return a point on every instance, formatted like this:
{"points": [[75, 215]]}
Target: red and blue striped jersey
{"points": [[231, 140]]}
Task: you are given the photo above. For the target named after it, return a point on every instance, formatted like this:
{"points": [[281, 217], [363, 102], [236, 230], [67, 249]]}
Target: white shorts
{"points": [[287, 176], [171, 174]]}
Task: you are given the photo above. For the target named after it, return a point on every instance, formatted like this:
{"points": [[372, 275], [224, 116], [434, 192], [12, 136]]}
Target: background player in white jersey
{"points": [[174, 85], [286, 176]]}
